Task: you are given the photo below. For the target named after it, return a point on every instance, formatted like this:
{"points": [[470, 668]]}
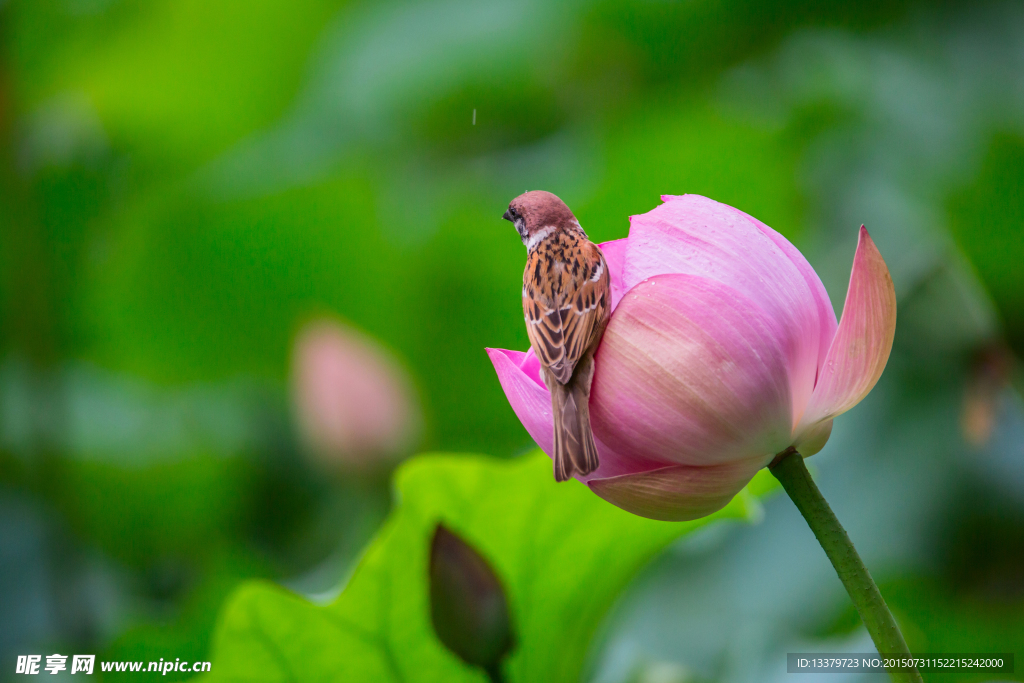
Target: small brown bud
{"points": [[468, 606]]}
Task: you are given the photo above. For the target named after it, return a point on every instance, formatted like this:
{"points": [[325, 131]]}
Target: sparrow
{"points": [[566, 301]]}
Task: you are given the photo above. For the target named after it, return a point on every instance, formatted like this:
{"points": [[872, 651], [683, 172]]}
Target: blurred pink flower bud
{"points": [[991, 375], [722, 351], [355, 405]]}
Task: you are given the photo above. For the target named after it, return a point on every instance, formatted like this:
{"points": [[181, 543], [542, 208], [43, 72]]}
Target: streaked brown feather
{"points": [[565, 308]]}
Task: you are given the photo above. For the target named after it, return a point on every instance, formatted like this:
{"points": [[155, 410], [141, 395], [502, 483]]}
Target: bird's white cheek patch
{"points": [[536, 238]]}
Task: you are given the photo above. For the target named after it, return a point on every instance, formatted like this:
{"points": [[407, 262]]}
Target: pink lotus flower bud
{"points": [[354, 403], [722, 351]]}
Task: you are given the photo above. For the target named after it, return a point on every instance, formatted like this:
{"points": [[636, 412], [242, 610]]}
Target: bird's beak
{"points": [[508, 215]]}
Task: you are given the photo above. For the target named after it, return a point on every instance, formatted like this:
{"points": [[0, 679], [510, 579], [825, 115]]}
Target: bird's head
{"points": [[538, 213]]}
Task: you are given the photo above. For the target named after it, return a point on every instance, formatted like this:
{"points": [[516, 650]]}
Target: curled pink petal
{"points": [[694, 235], [678, 492], [530, 364], [529, 398], [690, 372], [861, 347]]}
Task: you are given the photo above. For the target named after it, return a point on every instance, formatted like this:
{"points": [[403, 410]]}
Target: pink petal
{"points": [[861, 347], [615, 255], [528, 397], [691, 372], [519, 376], [827, 323], [695, 235], [814, 438], [530, 364], [678, 492]]}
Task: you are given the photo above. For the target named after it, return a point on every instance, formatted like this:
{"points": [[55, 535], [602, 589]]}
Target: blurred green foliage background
{"points": [[184, 184]]}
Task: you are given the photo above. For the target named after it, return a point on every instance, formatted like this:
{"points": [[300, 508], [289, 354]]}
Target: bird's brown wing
{"points": [[566, 306]]}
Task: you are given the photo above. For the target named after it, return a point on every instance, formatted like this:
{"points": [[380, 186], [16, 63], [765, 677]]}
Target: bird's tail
{"points": [[575, 450]]}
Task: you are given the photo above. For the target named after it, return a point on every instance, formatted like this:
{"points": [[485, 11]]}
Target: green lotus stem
{"points": [[788, 467], [494, 673]]}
